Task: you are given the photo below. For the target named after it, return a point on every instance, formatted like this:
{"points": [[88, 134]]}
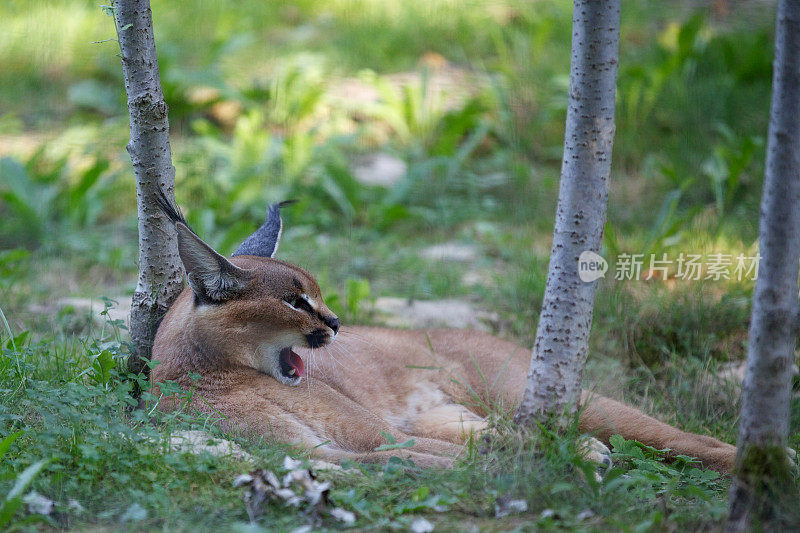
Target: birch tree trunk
{"points": [[160, 269], [559, 353], [762, 489]]}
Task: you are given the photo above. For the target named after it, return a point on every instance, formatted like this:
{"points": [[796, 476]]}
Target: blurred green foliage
{"points": [[257, 117]]}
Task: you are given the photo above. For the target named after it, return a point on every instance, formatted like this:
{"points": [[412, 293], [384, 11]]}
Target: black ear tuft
{"points": [[213, 278], [264, 241], [170, 209]]}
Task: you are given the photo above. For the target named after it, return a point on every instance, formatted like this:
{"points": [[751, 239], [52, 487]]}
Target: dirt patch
{"points": [[450, 251], [119, 311], [421, 314], [379, 169], [446, 85]]}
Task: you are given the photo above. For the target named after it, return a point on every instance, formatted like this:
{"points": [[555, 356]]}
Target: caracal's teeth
{"points": [[292, 372]]}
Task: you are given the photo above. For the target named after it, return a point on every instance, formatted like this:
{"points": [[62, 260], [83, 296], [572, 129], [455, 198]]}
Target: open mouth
{"points": [[292, 366]]}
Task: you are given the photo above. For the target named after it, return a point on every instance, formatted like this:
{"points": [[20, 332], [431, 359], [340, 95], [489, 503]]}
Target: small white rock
{"points": [[291, 464], [134, 513], [38, 504], [548, 513], [343, 515], [504, 507], [75, 506], [420, 525], [584, 515]]}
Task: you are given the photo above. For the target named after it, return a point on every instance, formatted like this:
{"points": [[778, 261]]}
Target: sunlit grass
{"points": [[52, 37]]}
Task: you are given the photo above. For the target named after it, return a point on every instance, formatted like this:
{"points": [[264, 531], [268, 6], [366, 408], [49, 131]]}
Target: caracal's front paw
{"points": [[595, 451]]}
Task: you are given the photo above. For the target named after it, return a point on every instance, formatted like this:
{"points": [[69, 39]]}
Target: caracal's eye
{"points": [[298, 302]]}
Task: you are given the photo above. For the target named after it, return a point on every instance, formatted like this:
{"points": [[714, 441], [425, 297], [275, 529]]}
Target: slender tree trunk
{"points": [[559, 353], [160, 268], [761, 491]]}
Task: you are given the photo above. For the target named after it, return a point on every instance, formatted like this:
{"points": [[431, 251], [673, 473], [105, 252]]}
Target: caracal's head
{"points": [[253, 308]]}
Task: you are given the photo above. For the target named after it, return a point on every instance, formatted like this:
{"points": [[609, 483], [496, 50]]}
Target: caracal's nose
{"points": [[333, 323]]}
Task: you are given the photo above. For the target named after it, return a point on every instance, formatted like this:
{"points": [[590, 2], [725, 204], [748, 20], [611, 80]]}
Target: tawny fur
{"points": [[430, 385]]}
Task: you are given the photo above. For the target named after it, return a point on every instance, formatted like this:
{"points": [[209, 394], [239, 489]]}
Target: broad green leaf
{"points": [[5, 444]]}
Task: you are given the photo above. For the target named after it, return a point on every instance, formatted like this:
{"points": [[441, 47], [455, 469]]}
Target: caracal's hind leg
{"points": [[496, 371], [448, 422], [604, 417]]}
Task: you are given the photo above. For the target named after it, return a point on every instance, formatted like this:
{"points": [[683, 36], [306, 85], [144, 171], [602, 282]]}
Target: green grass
{"points": [[75, 411], [256, 112]]}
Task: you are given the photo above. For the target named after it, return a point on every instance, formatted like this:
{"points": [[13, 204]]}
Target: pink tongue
{"points": [[295, 362]]}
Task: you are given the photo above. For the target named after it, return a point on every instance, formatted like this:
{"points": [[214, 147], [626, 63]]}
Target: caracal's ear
{"points": [[264, 241], [213, 278]]}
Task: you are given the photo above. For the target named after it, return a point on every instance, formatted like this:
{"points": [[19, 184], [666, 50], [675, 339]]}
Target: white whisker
{"points": [[332, 357], [357, 337], [315, 362], [345, 352]]}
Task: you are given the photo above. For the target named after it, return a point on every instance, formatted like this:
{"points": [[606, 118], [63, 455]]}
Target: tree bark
{"points": [[160, 269], [559, 353], [762, 494]]}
